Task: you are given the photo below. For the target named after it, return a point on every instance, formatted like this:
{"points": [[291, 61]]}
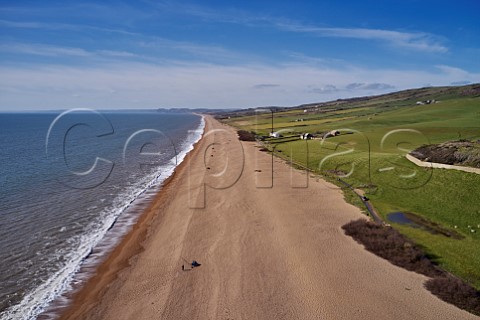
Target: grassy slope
{"points": [[450, 198]]}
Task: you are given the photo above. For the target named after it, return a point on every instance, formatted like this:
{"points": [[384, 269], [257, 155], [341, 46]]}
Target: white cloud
{"points": [[156, 50], [198, 51], [453, 71], [328, 88], [369, 86], [416, 41], [135, 85], [23, 25], [44, 50], [152, 49], [262, 86], [118, 54], [419, 41], [63, 27]]}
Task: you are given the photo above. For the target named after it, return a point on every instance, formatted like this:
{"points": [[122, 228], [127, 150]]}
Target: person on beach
{"points": [[195, 264]]}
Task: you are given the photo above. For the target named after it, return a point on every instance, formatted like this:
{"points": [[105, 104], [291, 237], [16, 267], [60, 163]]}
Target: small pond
{"points": [[415, 221], [401, 218]]}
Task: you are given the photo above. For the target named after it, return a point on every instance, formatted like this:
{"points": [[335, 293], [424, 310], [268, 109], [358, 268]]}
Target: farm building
{"points": [[332, 133], [306, 136], [426, 102]]}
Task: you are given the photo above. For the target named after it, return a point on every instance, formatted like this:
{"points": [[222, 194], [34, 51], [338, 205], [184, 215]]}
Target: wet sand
{"points": [[270, 244]]}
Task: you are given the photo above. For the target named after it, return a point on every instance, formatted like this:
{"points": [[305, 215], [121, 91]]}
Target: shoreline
{"points": [[127, 249]]}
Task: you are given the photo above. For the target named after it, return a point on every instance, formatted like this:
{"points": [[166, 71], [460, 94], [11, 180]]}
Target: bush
{"points": [[391, 245], [244, 135], [456, 292]]}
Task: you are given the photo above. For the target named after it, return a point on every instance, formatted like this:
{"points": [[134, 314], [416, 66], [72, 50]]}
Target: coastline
{"points": [[266, 251], [130, 246]]}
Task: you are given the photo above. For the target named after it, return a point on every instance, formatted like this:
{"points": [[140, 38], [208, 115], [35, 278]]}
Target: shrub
{"points": [[456, 292], [244, 135], [391, 245]]}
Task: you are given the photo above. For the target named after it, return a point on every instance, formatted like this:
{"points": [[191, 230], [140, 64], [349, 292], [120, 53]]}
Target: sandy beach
{"points": [[270, 246]]}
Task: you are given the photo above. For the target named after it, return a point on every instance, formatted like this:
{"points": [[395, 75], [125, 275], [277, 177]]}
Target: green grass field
{"points": [[370, 153]]}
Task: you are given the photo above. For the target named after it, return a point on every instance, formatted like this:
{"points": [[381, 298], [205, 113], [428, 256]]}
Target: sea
{"points": [[72, 183]]}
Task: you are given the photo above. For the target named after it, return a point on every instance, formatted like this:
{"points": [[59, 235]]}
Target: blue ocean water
{"points": [[71, 184]]}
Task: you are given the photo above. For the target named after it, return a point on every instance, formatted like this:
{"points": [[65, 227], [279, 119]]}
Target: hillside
{"points": [[382, 102]]}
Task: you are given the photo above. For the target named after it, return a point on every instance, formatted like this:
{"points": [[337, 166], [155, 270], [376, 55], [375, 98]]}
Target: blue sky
{"points": [[148, 54]]}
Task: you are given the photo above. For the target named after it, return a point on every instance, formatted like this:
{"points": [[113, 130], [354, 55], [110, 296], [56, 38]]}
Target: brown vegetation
{"points": [[456, 292], [244, 135], [391, 245]]}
